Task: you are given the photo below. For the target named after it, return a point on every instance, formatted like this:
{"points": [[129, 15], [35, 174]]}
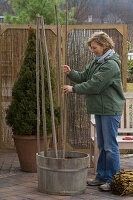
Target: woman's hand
{"points": [[66, 69], [67, 89]]}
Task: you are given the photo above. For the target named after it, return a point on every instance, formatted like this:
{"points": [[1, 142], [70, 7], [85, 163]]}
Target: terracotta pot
{"points": [[26, 147]]}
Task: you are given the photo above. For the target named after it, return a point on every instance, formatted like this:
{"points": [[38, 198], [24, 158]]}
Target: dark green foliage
{"points": [[22, 113], [26, 12], [129, 65], [130, 71]]}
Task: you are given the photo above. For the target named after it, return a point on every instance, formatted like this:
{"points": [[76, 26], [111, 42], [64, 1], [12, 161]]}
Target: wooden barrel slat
{"points": [[62, 176]]}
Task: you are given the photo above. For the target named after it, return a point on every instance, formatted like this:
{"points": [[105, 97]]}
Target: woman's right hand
{"points": [[66, 69]]}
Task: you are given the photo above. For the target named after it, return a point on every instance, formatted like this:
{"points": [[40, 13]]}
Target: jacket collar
{"points": [[108, 54]]}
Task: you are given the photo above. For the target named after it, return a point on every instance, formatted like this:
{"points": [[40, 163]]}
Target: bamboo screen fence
{"points": [[13, 40], [78, 56]]}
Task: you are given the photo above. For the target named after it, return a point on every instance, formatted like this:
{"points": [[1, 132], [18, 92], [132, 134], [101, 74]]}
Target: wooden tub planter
{"points": [[62, 176]]}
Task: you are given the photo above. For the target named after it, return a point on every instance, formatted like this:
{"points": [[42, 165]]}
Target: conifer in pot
{"points": [[21, 114]]}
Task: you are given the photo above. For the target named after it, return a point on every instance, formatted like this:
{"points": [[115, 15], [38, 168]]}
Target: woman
{"points": [[101, 83]]}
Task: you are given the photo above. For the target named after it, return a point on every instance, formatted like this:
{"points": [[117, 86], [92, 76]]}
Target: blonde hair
{"points": [[102, 39]]}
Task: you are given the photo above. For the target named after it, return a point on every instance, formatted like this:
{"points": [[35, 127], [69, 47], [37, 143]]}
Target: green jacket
{"points": [[101, 83]]}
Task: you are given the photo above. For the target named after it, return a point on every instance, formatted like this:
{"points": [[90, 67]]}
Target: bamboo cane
{"points": [[59, 76], [43, 101], [50, 89], [37, 82], [65, 97]]}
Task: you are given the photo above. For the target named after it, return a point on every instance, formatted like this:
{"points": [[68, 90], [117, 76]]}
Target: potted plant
{"points": [[21, 114]]}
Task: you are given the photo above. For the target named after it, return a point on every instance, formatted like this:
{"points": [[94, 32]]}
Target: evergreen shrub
{"points": [[21, 114]]}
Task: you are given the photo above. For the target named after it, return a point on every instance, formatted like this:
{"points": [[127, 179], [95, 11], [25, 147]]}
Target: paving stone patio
{"points": [[18, 185]]}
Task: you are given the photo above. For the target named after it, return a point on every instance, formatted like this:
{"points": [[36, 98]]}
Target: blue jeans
{"points": [[109, 158]]}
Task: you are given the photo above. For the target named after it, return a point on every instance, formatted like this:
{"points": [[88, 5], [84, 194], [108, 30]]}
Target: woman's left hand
{"points": [[67, 89]]}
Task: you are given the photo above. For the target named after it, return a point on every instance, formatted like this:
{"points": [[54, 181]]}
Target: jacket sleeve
{"points": [[78, 77], [100, 80]]}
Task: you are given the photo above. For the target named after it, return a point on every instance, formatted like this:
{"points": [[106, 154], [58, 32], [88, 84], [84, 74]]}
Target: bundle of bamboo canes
{"points": [[40, 45], [122, 182]]}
